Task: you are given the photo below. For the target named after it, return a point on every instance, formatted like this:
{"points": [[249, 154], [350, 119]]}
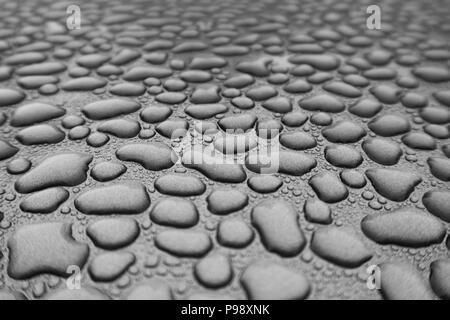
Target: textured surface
{"points": [[107, 135]]}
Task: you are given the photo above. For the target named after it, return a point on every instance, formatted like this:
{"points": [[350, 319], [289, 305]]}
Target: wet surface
{"points": [[98, 129]]}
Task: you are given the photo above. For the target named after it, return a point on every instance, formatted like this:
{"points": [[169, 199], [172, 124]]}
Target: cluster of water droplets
{"points": [[99, 127]]}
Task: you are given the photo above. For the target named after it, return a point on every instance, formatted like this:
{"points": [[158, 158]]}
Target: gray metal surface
{"points": [[113, 176]]}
